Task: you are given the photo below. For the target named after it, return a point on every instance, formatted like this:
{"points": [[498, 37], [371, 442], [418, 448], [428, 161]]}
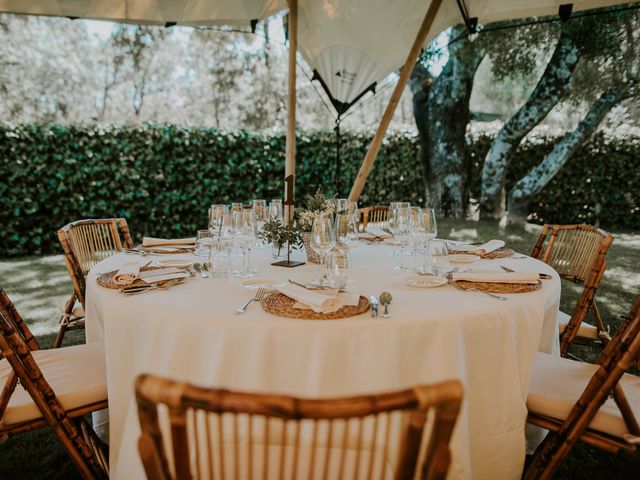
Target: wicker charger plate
{"points": [[106, 280], [503, 252], [281, 305], [494, 287]]}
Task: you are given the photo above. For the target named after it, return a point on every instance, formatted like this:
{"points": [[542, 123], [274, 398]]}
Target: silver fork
{"points": [[260, 294]]}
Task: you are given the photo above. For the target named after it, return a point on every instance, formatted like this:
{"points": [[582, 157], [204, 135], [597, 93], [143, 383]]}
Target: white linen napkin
{"points": [[497, 277], [162, 274], [377, 232], [488, 247], [318, 302], [168, 242], [127, 273]]}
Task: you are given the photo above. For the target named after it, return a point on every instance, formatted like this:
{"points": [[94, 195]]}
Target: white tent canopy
{"points": [[351, 44]]}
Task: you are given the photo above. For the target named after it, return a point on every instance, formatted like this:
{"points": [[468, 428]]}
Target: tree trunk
{"points": [[552, 86], [534, 181], [447, 119], [420, 83]]}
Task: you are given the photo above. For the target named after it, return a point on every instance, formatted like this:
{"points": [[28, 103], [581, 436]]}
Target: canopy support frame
{"points": [[290, 159], [376, 142]]}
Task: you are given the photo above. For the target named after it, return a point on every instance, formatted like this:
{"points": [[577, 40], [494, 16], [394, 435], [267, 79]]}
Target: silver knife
{"points": [[374, 306]]}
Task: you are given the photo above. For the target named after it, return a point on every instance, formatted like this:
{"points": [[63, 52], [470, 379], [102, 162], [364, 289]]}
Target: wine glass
{"points": [[346, 229], [244, 238], [323, 237], [416, 235], [217, 216], [401, 230], [260, 213], [342, 205], [275, 209]]}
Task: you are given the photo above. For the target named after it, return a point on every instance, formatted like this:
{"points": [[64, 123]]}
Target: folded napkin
{"points": [[127, 273], [162, 274], [490, 246], [497, 277], [320, 301], [377, 232], [168, 242]]}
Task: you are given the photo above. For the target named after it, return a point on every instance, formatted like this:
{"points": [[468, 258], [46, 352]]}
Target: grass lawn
{"points": [[39, 286]]}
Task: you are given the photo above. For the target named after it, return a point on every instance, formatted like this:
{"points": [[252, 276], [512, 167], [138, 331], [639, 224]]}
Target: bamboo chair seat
{"points": [[557, 383], [76, 374], [585, 330]]}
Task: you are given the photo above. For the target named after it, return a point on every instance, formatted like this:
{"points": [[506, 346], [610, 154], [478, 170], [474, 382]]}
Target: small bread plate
{"points": [[426, 281], [177, 263], [262, 283], [463, 258]]}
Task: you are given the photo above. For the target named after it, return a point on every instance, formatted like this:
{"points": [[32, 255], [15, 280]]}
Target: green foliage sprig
{"points": [[278, 234]]}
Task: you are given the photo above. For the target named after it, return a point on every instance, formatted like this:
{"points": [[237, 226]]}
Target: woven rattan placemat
{"points": [[106, 280], [281, 305], [503, 252], [494, 287]]}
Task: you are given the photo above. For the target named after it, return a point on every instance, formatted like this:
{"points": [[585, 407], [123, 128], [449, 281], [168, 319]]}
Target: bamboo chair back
{"points": [[616, 358], [192, 432], [577, 253], [88, 242], [377, 216], [17, 352]]}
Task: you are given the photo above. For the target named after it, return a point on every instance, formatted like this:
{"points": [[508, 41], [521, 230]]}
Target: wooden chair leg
{"points": [[548, 457], [603, 331], [64, 320]]}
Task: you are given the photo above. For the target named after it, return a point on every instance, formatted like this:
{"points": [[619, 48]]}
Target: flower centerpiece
{"points": [[313, 205], [280, 235]]}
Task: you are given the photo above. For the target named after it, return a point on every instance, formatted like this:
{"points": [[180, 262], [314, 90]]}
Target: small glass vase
{"points": [[279, 253]]}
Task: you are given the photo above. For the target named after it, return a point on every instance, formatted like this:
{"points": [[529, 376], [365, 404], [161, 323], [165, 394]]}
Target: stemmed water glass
{"points": [[261, 215], [275, 209], [244, 238], [219, 220], [323, 238], [401, 228]]}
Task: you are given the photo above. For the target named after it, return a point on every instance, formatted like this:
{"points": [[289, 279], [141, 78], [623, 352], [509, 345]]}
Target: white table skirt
{"points": [[189, 333]]}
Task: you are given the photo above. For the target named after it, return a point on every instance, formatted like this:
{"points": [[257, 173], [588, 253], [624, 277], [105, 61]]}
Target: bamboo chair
{"points": [[377, 216], [85, 243], [573, 400], [29, 401], [192, 432], [577, 253]]}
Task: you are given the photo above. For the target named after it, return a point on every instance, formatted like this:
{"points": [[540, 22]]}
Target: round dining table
{"points": [[190, 333]]}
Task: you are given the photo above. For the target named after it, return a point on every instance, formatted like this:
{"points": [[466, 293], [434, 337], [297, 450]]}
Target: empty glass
{"points": [[261, 215], [437, 259], [219, 220], [346, 229], [219, 259], [323, 237], [401, 228], [275, 209], [342, 205], [244, 238], [339, 268], [204, 239]]}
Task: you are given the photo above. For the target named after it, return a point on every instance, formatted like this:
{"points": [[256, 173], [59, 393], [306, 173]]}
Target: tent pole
{"points": [[290, 161], [412, 58]]}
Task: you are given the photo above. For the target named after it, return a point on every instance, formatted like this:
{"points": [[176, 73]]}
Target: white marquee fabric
{"points": [[350, 43]]}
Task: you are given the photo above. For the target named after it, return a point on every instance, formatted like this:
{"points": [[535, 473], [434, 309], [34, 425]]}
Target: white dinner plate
{"points": [[174, 263], [427, 281], [463, 258]]}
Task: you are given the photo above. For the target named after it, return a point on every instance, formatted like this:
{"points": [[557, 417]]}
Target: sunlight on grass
{"points": [[464, 234]]}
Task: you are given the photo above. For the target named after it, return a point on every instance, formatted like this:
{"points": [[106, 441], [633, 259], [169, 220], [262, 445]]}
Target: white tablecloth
{"points": [[190, 333]]}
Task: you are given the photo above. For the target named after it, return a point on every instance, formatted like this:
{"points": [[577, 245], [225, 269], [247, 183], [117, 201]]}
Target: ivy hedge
{"points": [[162, 178]]}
